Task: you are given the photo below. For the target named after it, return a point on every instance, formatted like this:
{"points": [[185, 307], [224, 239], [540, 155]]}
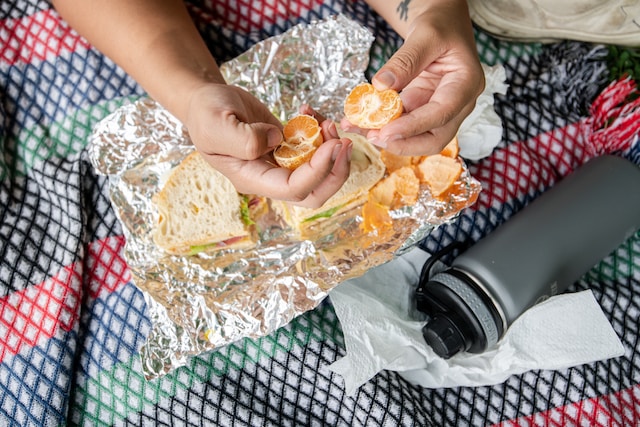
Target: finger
{"points": [[428, 142], [347, 126], [246, 141], [454, 92], [329, 130], [307, 109], [446, 107], [334, 181], [245, 128], [404, 65], [314, 182], [263, 177]]}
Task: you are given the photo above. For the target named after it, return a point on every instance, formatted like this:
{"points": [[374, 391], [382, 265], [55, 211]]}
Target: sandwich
{"points": [[199, 210], [366, 170]]}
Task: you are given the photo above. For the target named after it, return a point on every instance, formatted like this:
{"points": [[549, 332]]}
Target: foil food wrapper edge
{"points": [[200, 303]]}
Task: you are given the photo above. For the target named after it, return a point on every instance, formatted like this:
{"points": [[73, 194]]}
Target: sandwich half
{"points": [[366, 170], [199, 209]]}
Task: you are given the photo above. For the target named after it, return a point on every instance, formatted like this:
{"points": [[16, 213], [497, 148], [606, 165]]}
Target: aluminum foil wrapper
{"points": [[202, 302], [315, 64]]}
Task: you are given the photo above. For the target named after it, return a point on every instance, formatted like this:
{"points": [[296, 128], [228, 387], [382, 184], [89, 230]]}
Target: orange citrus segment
{"points": [[369, 108], [439, 173], [303, 129], [407, 187], [394, 162], [384, 191], [302, 136], [399, 188], [292, 156], [451, 149], [375, 216]]}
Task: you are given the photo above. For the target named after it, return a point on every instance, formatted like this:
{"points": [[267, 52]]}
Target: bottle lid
{"points": [[462, 319], [443, 336]]}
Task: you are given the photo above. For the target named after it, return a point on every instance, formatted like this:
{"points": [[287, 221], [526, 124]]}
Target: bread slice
{"points": [[366, 170], [199, 208]]}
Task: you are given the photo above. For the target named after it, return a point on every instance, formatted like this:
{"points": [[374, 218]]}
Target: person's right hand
{"points": [[236, 134]]}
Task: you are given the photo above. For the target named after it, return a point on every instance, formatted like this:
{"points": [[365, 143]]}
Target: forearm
{"points": [[400, 14], [154, 41]]}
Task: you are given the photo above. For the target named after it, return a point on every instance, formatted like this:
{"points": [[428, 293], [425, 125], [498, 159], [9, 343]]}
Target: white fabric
{"points": [[382, 330], [481, 131]]}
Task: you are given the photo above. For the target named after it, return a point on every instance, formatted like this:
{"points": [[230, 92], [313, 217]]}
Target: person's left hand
{"points": [[439, 76]]}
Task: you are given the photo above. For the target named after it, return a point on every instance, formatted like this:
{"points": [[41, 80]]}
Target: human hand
{"points": [[438, 74], [236, 134]]}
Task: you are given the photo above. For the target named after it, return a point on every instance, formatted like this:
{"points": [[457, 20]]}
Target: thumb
{"points": [[235, 138], [259, 139], [405, 65]]}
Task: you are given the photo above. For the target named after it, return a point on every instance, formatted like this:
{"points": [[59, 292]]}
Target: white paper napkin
{"points": [[481, 131], [382, 330]]}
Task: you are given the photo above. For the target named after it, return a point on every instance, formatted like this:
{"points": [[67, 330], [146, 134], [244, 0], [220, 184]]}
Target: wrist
{"points": [[408, 14], [177, 65], [177, 92]]}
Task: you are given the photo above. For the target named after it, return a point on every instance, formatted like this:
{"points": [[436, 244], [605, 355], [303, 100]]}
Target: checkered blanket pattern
{"points": [[72, 321]]}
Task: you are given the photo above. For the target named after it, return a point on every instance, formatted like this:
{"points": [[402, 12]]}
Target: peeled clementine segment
{"points": [[384, 191], [394, 161], [302, 136], [400, 188], [291, 156], [303, 129], [439, 173], [407, 187], [375, 216], [369, 108], [452, 149]]}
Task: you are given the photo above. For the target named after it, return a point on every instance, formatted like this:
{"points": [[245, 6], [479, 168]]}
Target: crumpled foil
{"points": [[201, 302]]}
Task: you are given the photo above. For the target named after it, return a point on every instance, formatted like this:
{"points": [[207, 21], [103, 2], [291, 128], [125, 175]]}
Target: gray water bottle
{"points": [[538, 253]]}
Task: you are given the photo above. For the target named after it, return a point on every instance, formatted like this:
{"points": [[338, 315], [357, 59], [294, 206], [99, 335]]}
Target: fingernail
{"points": [[385, 80], [378, 142], [347, 127], [333, 130], [384, 142], [336, 151], [274, 137]]}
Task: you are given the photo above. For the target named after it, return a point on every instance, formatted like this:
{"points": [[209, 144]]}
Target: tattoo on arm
{"points": [[403, 9]]}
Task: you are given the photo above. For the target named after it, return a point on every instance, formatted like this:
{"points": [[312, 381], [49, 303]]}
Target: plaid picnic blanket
{"points": [[72, 321]]}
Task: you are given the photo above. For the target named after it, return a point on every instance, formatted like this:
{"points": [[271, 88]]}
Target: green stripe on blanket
{"points": [[60, 139], [493, 51], [130, 393]]}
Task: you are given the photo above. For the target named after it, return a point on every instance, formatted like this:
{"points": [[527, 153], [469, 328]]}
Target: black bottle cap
{"points": [[443, 336], [457, 309]]}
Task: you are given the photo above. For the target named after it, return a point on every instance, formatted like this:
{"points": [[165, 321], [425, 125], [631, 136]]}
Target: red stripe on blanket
{"points": [[246, 16], [35, 314], [524, 166], [107, 269], [615, 117], [37, 37], [616, 409]]}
